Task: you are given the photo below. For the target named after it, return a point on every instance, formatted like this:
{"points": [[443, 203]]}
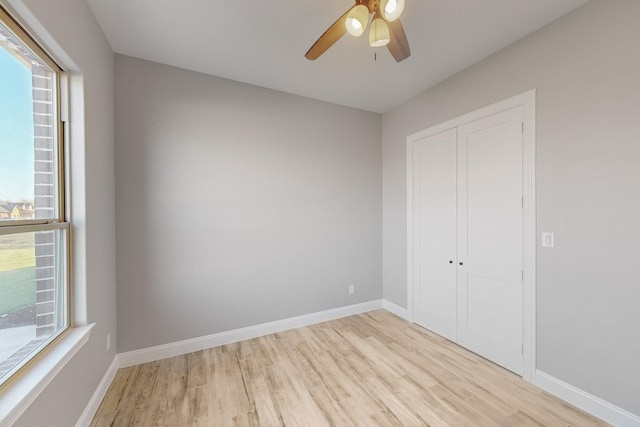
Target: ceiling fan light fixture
{"points": [[379, 33], [392, 9], [357, 20]]}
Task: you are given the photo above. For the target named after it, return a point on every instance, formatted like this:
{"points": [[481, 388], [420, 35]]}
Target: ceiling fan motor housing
{"points": [[373, 5]]}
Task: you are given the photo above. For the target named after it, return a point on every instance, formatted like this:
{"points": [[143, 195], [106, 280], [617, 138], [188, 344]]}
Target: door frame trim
{"points": [[527, 101]]}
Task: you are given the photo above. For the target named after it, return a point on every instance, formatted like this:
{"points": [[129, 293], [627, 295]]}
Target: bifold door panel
{"points": [[490, 238], [435, 233]]}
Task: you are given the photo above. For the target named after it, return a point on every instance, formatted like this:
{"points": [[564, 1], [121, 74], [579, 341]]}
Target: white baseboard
{"points": [[587, 402], [397, 310], [92, 407], [164, 351]]}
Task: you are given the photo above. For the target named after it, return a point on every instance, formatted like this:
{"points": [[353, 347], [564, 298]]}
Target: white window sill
{"points": [[22, 393]]}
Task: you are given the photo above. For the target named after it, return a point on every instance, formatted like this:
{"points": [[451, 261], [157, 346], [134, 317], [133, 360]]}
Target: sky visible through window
{"points": [[16, 130]]}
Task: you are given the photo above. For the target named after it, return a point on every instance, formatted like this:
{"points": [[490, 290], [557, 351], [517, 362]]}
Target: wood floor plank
{"points": [[198, 406], [228, 396], [177, 407], [520, 418], [366, 370], [379, 389], [331, 409], [262, 406], [196, 368], [414, 396], [385, 419], [155, 415], [117, 390]]}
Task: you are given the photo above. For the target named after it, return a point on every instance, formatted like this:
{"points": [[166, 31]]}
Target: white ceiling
{"points": [[263, 42]]}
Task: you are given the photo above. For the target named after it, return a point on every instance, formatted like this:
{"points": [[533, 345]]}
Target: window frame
{"points": [[60, 219]]}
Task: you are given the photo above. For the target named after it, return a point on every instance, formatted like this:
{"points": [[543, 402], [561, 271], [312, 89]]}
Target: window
{"points": [[34, 233]]}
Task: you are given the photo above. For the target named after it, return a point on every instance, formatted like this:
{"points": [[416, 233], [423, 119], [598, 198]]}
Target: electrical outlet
{"points": [[548, 240], [108, 341], [352, 289]]}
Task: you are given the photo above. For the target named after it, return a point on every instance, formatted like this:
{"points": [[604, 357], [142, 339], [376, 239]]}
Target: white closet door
{"points": [[434, 233], [490, 238]]}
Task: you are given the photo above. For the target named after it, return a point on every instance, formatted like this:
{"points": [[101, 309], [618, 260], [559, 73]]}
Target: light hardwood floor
{"points": [[373, 369]]}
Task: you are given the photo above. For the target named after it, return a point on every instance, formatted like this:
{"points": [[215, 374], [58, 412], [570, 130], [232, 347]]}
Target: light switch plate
{"points": [[548, 240]]}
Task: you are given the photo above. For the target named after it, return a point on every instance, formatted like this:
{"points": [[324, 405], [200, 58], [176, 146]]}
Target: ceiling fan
{"points": [[386, 29]]}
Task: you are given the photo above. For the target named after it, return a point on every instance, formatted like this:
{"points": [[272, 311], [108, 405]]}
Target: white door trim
{"points": [[527, 102]]}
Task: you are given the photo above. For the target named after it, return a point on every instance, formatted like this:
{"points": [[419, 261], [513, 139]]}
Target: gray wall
{"points": [[69, 30], [586, 69], [237, 205]]}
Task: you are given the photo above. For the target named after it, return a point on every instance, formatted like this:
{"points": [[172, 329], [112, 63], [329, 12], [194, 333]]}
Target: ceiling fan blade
{"points": [[399, 45], [326, 40]]}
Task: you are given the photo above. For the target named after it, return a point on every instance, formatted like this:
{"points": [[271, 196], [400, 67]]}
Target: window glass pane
{"points": [[27, 133], [32, 294]]}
